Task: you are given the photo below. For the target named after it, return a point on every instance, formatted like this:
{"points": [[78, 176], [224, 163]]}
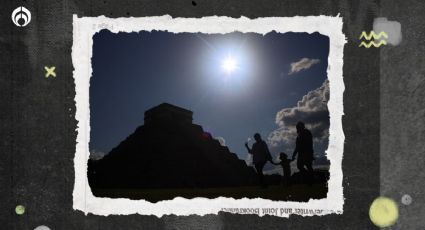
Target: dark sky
{"points": [[133, 72]]}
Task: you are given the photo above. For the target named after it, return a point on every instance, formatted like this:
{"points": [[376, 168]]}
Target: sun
{"points": [[229, 64]]}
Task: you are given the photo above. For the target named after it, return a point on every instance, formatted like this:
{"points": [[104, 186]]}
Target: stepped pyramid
{"points": [[169, 151]]}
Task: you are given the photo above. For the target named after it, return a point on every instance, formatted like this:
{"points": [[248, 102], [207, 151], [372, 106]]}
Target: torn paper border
{"points": [[83, 30]]}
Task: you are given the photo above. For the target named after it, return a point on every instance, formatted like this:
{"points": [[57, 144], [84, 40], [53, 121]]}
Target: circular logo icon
{"points": [[21, 16]]}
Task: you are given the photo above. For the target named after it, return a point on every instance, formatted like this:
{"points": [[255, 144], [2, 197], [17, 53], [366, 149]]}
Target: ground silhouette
{"points": [[169, 156]]}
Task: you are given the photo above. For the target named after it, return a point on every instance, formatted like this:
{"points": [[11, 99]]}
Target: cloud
{"points": [[96, 155], [313, 111], [221, 140], [303, 64]]}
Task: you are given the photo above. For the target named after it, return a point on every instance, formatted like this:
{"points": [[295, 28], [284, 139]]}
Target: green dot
{"points": [[20, 209]]}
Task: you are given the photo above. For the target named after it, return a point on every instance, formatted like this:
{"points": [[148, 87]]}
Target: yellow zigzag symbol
{"points": [[372, 34], [382, 42]]}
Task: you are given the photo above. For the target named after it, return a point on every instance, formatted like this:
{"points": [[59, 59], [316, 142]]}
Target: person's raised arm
{"points": [[247, 147]]}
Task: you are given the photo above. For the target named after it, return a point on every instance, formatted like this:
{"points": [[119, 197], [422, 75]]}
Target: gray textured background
{"points": [[383, 122], [402, 101]]}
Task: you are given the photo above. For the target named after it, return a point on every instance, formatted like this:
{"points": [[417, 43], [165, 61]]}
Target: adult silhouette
{"points": [[304, 149], [260, 155]]}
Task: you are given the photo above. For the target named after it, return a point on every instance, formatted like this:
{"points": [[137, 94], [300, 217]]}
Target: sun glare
{"points": [[229, 64]]}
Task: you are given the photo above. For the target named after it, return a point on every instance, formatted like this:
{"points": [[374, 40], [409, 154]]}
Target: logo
{"points": [[21, 16], [371, 35]]}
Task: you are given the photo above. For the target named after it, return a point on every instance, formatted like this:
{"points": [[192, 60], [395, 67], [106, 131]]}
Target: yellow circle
{"points": [[20, 209], [383, 212]]}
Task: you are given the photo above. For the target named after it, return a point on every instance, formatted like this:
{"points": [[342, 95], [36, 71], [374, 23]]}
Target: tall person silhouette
{"points": [[260, 155], [304, 148]]}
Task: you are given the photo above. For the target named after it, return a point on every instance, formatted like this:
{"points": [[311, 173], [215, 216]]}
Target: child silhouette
{"points": [[285, 163]]}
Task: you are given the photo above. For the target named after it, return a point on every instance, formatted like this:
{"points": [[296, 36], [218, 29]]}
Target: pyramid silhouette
{"points": [[169, 151]]}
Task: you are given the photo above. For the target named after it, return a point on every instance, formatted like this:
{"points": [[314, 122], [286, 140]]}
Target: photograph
{"points": [[236, 115]]}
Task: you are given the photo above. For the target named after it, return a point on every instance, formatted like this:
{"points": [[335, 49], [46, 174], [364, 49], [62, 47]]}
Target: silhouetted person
{"points": [[304, 148], [260, 155], [285, 163]]}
